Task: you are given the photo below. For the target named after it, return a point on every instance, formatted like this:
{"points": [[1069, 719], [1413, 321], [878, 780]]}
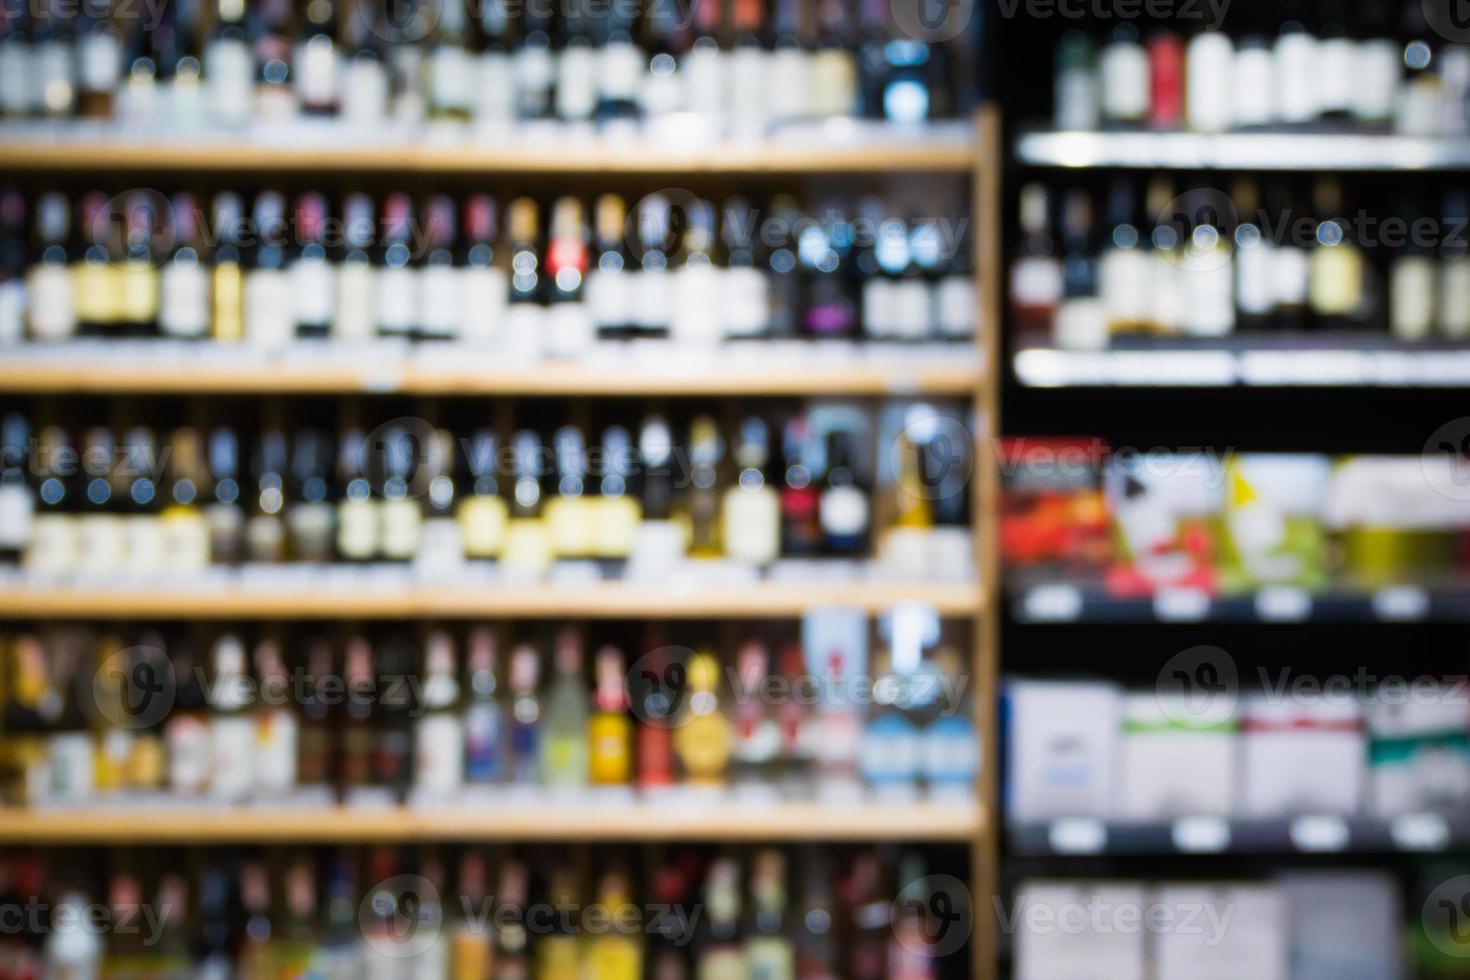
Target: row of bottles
{"points": [[472, 913], [527, 280], [100, 502], [734, 67], [318, 717], [1328, 65], [1207, 263]]}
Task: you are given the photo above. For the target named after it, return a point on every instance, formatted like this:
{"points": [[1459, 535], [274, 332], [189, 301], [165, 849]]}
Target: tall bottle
{"points": [[570, 513], [310, 515], [744, 301], [1123, 269], [1336, 291], [269, 302], [1209, 64], [569, 328], [183, 308], [17, 498], [95, 271], [721, 956], [564, 739], [52, 313], [222, 511], [617, 514], [439, 741], [355, 306], [609, 731], [525, 318], [1123, 78], [482, 510], [227, 279], [654, 290], [706, 450], [610, 286], [702, 732], [1036, 274], [768, 952], [265, 529], [1255, 297], [1208, 268], [1412, 285], [527, 539], [1081, 321], [751, 512], [484, 285], [398, 294], [828, 308], [401, 511], [277, 730], [801, 531], [845, 513], [484, 716], [229, 65], [232, 726], [615, 954], [448, 69], [317, 62], [524, 762], [440, 296], [183, 526], [309, 271]]}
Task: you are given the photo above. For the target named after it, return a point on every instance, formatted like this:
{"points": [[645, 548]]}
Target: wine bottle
{"points": [[1336, 58], [1209, 64], [702, 502], [276, 727], [484, 716], [564, 729], [1252, 84], [801, 533], [751, 520], [449, 78], [269, 304], [768, 952], [695, 286], [17, 499], [524, 763], [528, 549], [743, 301], [1336, 290], [1123, 78], [316, 766], [610, 296], [310, 515], [136, 278], [183, 289], [1291, 270], [789, 65], [569, 324], [1168, 292], [609, 731], [832, 91], [1036, 274], [53, 545], [617, 512], [52, 313], [439, 741], [227, 281], [355, 307], [1295, 56], [222, 512], [702, 732], [482, 510], [401, 510], [1255, 295], [231, 726], [186, 730], [265, 528], [1076, 84], [525, 318], [309, 271], [317, 61], [101, 534], [442, 301], [229, 65], [844, 510], [53, 60], [184, 529], [393, 754], [95, 271], [577, 63], [19, 95], [484, 285], [720, 952], [570, 514], [1166, 79], [1208, 266], [358, 738], [363, 88], [398, 294], [1453, 302], [98, 59], [654, 304]]}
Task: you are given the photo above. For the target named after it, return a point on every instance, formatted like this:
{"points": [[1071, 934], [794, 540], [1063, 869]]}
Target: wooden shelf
{"points": [[959, 377], [591, 158], [957, 822], [612, 600]]}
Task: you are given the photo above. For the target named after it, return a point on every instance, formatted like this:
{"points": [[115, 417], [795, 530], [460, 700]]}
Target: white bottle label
{"points": [[53, 545], [568, 330], [1253, 88], [1036, 282], [878, 309], [100, 61], [316, 71], [269, 308], [17, 508], [576, 82], [397, 300], [18, 93], [72, 768], [1208, 94], [102, 544], [365, 93], [1336, 60], [275, 762], [229, 75], [535, 70], [910, 298], [831, 83], [185, 542], [844, 511], [1377, 75], [609, 297], [233, 754], [954, 306], [752, 525], [402, 528], [356, 307], [188, 755], [525, 325], [704, 82], [183, 308], [1290, 275], [1411, 297], [1295, 78], [1123, 283], [1255, 289], [311, 281], [52, 295], [653, 299], [1210, 278], [695, 302], [439, 754], [1125, 82], [1454, 298], [443, 304], [620, 70], [745, 302], [495, 90], [788, 76], [144, 544], [749, 103], [485, 291], [450, 74], [357, 529]]}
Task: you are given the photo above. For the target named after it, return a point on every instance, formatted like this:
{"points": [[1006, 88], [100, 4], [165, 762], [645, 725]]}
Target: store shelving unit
{"points": [[1310, 152], [966, 152]]}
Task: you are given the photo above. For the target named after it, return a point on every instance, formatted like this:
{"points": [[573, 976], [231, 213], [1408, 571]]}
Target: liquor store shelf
{"points": [[1242, 362], [1418, 833], [762, 600], [1312, 152], [593, 158], [958, 377], [1072, 603], [959, 822]]}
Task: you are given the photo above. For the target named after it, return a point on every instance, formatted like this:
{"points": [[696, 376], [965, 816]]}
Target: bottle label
{"points": [[450, 79], [1290, 275], [97, 292], [749, 101], [365, 93], [356, 307], [232, 756], [704, 82], [311, 281], [402, 528], [12, 312], [269, 308], [485, 291], [1295, 61], [17, 508], [102, 544], [229, 73], [616, 526], [911, 310], [609, 298], [535, 70], [1336, 280], [695, 298], [620, 71], [443, 310], [569, 330], [397, 300], [1123, 284], [1411, 298], [1125, 82], [569, 523], [18, 94], [1036, 282], [1454, 304], [482, 743], [357, 529], [653, 299], [832, 83], [951, 753], [73, 767], [482, 521], [954, 306], [495, 91], [53, 547], [525, 324], [890, 752], [609, 758], [745, 302], [878, 311], [1376, 77], [1251, 87], [1255, 291], [752, 525], [229, 302], [185, 540], [188, 754], [100, 61], [316, 73], [183, 309], [137, 292], [1336, 59], [439, 753], [844, 512], [576, 84], [788, 67], [275, 748], [527, 547]]}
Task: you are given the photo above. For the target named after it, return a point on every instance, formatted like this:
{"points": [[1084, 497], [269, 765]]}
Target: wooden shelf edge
{"points": [[766, 600], [555, 380], [562, 158], [920, 822]]}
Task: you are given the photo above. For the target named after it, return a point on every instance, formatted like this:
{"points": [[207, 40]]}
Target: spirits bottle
{"points": [[653, 290], [309, 272], [951, 747], [1076, 84], [317, 61], [439, 741], [706, 449], [183, 308], [702, 733], [525, 719], [756, 743], [751, 518], [769, 953], [182, 526], [1036, 274], [310, 515], [276, 727], [484, 716], [564, 740], [845, 514], [609, 732], [1165, 79], [265, 530], [484, 285]]}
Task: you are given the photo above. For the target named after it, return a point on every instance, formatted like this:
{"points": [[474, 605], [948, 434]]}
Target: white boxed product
{"points": [[1220, 932], [1079, 931], [1169, 769], [1302, 758], [1345, 925], [1062, 749], [1420, 748]]}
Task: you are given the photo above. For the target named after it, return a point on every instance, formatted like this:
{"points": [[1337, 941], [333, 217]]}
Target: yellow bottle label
{"points": [[558, 958], [609, 756], [470, 955], [617, 523], [185, 540], [482, 522], [229, 302], [614, 957], [527, 546], [97, 292], [147, 763], [137, 292], [1337, 279], [571, 523], [703, 745], [113, 756]]}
